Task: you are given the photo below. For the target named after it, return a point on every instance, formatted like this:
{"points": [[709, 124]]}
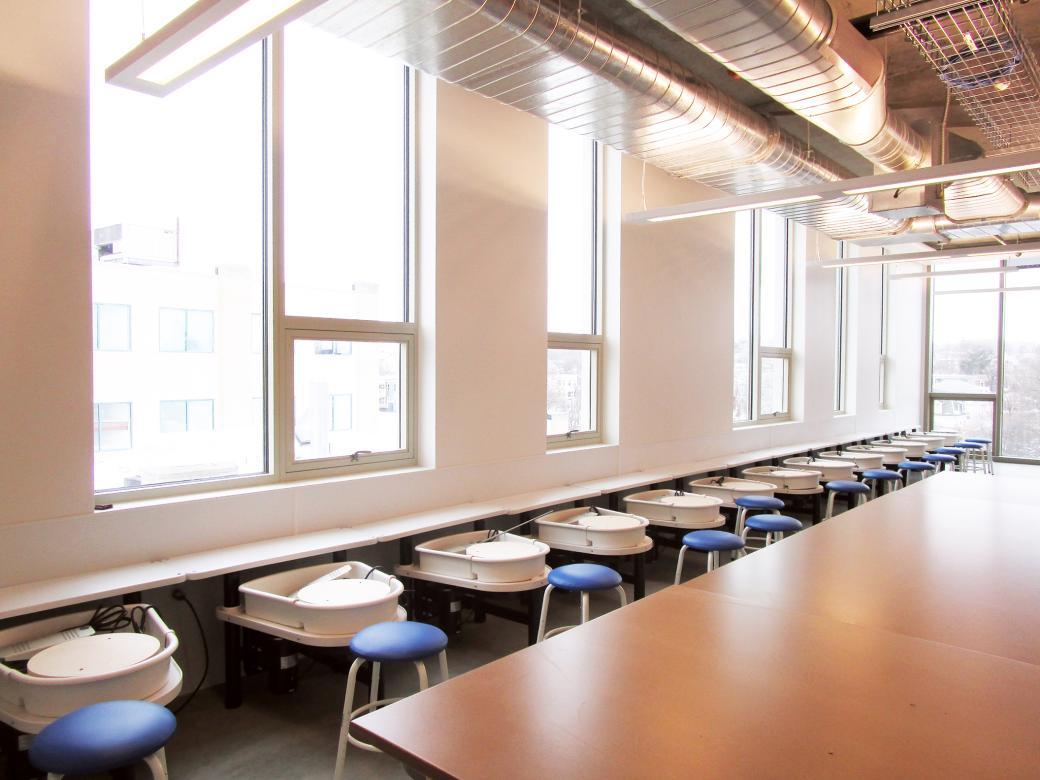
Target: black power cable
{"points": [[179, 595]]}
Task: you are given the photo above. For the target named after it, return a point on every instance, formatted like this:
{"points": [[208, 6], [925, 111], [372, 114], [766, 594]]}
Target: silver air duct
{"points": [[804, 56], [553, 60]]}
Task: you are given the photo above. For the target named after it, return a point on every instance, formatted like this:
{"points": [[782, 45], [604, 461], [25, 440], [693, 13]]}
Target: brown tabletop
{"points": [[901, 639], [691, 684], [932, 561]]}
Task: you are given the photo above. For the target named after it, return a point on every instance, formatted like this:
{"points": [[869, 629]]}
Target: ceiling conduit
{"points": [[557, 61]]}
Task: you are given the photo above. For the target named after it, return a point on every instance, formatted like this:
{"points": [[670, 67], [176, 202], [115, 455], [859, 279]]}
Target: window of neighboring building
{"points": [[762, 291], [111, 327], [112, 429], [575, 340], [185, 330], [189, 416]]}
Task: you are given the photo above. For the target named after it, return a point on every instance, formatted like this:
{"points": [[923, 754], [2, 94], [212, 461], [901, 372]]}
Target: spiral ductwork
{"points": [[553, 60]]}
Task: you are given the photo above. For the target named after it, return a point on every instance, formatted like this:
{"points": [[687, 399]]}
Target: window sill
{"points": [[759, 424], [579, 445]]}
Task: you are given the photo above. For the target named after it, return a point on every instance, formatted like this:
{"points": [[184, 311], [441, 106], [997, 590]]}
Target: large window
{"points": [[575, 338], [883, 371], [177, 205], [348, 307], [259, 234], [762, 309], [985, 358], [841, 334]]}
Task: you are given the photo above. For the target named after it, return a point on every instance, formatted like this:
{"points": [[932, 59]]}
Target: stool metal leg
{"points": [[348, 705], [584, 607], [830, 505], [678, 566], [545, 612], [442, 658], [157, 764], [622, 595]]}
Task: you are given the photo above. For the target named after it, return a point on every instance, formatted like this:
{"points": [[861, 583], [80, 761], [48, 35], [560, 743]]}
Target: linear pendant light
{"points": [[960, 253], [204, 35], [961, 272], [986, 166]]}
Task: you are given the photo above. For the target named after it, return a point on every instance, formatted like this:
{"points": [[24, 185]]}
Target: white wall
{"points": [[485, 268]]}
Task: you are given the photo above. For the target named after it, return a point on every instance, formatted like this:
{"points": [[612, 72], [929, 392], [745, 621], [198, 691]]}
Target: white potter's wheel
{"points": [[343, 593], [92, 655], [500, 551]]}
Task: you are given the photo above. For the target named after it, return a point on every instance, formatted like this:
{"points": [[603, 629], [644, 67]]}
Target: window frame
{"points": [[883, 361], [592, 342], [842, 283], [758, 352]]}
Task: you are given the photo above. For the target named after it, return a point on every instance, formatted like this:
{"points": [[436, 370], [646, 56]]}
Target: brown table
{"points": [[863, 672]]}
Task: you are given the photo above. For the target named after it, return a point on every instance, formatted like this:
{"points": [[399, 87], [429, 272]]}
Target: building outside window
{"points": [[111, 327], [762, 322], [185, 330], [189, 416], [575, 340], [112, 427]]}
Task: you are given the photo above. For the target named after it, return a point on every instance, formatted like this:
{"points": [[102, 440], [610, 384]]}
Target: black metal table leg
{"points": [[404, 547], [232, 647], [639, 585], [817, 509]]}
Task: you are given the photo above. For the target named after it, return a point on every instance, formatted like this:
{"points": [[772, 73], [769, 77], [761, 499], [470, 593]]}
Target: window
{"points": [[178, 217], [112, 427], [841, 333], [575, 340], [186, 416], [347, 270], [203, 225], [761, 317], [111, 327], [883, 361]]}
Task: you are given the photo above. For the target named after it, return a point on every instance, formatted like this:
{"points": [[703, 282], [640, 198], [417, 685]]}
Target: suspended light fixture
{"points": [[204, 35], [960, 253]]}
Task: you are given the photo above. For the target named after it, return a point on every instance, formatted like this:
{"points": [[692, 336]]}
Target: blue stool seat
{"points": [[759, 502], [881, 474], [969, 445], [934, 457], [847, 486], [771, 523], [709, 541], [102, 737], [400, 641], [584, 576], [915, 465], [950, 450], [978, 440]]}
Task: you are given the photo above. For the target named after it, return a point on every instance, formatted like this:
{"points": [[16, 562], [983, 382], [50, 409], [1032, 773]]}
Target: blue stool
{"points": [[987, 451], [710, 542], [940, 461], [381, 643], [774, 527], [957, 452], [102, 737], [849, 487], [584, 578], [879, 478], [762, 503], [908, 467], [973, 450]]}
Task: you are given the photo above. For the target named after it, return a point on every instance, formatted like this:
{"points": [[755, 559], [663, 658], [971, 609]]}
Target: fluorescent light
{"points": [[937, 174], [963, 272], [725, 209], [204, 35], [988, 290], [960, 253]]}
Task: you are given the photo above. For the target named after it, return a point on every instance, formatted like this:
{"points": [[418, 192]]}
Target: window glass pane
{"points": [[370, 373], [841, 315], [172, 417], [112, 427], [1020, 424], [773, 286], [172, 324], [742, 302], [342, 412], [571, 396], [774, 386], [968, 418], [112, 327], [200, 415], [177, 217], [571, 232], [964, 331], [345, 179]]}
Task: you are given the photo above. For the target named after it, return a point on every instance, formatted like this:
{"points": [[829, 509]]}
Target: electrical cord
{"points": [[107, 620], [179, 595]]}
